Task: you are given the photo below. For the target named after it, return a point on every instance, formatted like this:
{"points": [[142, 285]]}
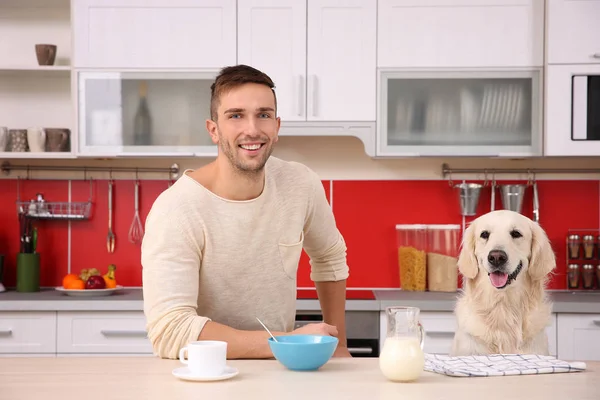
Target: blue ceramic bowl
{"points": [[303, 352]]}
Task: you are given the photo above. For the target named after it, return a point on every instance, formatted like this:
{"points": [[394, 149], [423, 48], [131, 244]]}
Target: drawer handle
{"points": [[597, 322], [111, 333], [439, 333], [6, 332], [597, 55]]}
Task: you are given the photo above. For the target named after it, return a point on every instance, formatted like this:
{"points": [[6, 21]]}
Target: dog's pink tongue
{"points": [[498, 279]]}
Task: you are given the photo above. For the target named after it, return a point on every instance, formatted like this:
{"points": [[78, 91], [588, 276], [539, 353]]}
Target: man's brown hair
{"points": [[232, 77]]}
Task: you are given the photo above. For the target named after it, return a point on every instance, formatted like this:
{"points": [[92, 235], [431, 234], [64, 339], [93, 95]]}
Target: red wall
{"points": [[366, 213]]}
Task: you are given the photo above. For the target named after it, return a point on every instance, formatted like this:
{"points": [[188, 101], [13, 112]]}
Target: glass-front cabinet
{"points": [[144, 113], [459, 113]]}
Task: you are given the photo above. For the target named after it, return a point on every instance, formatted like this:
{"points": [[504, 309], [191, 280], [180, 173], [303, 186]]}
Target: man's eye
{"points": [[485, 235], [234, 115], [265, 115], [515, 234]]}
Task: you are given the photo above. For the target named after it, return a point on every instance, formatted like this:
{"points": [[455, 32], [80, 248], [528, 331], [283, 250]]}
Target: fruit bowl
{"points": [[89, 292]]}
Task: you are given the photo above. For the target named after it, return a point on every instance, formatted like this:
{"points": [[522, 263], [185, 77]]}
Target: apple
{"points": [[95, 282]]}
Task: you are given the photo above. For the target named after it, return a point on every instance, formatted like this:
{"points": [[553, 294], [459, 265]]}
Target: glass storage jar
{"points": [[412, 247], [442, 257]]}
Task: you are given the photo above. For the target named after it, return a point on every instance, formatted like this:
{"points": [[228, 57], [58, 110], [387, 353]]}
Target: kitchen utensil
{"points": [[34, 239], [2, 288], [136, 230], [267, 329], [536, 203], [493, 189], [110, 237], [303, 352], [469, 197], [512, 197]]}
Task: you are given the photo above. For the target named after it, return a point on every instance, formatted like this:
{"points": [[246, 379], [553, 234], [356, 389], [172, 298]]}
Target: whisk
{"points": [[136, 231]]}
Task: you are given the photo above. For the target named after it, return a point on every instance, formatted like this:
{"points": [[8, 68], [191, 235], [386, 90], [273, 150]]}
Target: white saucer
{"points": [[185, 374]]}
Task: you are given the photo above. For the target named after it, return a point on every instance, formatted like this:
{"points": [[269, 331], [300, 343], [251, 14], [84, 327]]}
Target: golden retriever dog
{"points": [[506, 260]]}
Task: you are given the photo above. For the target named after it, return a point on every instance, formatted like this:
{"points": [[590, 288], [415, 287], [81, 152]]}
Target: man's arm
{"points": [[326, 248]]}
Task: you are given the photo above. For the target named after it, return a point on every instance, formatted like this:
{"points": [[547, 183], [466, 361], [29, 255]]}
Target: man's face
{"points": [[247, 127]]}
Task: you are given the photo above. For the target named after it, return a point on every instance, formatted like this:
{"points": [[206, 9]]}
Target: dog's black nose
{"points": [[497, 258]]}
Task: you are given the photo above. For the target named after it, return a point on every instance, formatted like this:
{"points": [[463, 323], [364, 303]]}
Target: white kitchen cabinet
{"points": [[573, 32], [570, 111], [440, 327], [579, 337], [27, 333], [178, 104], [470, 112], [320, 54], [460, 33], [82, 332], [154, 33]]}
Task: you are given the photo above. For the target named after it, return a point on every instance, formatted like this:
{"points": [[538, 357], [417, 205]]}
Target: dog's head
{"points": [[503, 245]]}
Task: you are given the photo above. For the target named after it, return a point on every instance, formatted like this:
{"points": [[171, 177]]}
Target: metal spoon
{"points": [[266, 329]]}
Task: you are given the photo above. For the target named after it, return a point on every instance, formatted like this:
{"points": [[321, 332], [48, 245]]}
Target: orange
{"points": [[68, 279], [75, 284]]}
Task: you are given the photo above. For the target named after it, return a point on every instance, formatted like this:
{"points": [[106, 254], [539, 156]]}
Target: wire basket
{"points": [[55, 210]]}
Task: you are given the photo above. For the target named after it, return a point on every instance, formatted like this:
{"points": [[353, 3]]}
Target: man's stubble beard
{"points": [[248, 171]]}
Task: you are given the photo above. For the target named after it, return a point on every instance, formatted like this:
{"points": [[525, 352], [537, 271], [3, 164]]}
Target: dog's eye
{"points": [[485, 235], [515, 234]]}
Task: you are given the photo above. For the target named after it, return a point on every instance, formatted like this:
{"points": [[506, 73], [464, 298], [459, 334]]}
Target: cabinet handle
{"points": [[6, 332], [439, 333], [360, 350], [596, 55], [112, 333], [313, 88], [300, 97], [597, 322]]}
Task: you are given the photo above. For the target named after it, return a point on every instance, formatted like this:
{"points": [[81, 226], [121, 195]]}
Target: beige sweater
{"points": [[205, 257]]}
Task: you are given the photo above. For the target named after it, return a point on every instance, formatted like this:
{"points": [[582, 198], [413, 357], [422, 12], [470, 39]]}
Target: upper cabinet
{"points": [[320, 54], [154, 33], [573, 31], [460, 33]]}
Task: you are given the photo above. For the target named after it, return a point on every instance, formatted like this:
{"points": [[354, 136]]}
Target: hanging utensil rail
{"points": [[447, 171], [173, 171]]}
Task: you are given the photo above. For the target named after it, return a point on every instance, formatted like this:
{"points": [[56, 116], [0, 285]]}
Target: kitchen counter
{"points": [[149, 378], [130, 299]]}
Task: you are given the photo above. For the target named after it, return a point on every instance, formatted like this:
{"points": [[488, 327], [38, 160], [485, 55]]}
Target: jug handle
{"points": [[421, 334]]}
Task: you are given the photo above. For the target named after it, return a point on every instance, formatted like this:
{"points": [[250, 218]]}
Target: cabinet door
{"points": [[341, 60], [460, 33], [579, 337], [272, 38], [154, 33], [573, 32], [566, 111]]}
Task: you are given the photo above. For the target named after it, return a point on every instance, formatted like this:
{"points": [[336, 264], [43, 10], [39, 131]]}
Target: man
{"points": [[222, 244]]}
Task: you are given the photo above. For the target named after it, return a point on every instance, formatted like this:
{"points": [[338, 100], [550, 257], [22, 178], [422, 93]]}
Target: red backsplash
{"points": [[366, 213]]}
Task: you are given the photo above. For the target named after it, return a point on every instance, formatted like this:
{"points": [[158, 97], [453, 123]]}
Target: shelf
{"points": [[37, 70], [56, 211]]}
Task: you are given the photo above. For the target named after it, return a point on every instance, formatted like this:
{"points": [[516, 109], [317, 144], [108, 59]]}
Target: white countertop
{"points": [[130, 299], [150, 378]]}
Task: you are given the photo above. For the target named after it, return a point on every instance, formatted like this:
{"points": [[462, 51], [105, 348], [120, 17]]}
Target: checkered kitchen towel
{"points": [[498, 365]]}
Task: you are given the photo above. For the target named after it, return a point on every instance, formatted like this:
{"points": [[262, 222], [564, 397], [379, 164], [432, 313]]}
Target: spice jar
{"points": [[588, 276], [588, 247], [573, 276], [573, 244]]}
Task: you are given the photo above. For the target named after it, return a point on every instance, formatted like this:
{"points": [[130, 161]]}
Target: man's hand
{"points": [[342, 351], [319, 328]]}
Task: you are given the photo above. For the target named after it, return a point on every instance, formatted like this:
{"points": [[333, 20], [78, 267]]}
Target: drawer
{"points": [[25, 332], [578, 337], [103, 332], [439, 331]]}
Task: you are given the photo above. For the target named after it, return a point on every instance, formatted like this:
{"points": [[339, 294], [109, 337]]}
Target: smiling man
{"points": [[222, 245]]}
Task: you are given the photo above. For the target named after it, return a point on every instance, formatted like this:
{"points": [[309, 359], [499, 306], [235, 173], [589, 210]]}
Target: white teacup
{"points": [[205, 357]]}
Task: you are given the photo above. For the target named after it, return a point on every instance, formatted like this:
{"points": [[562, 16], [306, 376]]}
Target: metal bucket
{"points": [[512, 197], [468, 194]]}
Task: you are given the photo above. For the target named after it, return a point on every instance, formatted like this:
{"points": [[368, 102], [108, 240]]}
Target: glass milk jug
{"points": [[402, 358]]}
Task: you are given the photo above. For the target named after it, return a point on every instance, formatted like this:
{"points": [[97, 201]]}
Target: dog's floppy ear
{"points": [[543, 259], [467, 261]]}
